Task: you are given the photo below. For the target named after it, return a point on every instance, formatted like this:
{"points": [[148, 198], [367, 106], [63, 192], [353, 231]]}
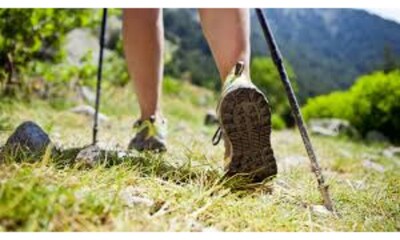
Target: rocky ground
{"points": [[183, 189]]}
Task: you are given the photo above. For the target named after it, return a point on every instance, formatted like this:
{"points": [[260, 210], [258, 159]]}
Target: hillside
{"points": [[328, 48], [183, 189]]}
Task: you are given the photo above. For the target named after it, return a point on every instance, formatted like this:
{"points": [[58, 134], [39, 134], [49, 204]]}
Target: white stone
{"points": [[375, 166], [320, 209]]}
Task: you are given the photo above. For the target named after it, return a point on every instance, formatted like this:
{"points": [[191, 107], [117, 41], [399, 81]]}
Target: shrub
{"points": [[376, 104], [372, 103], [277, 122], [266, 77], [333, 105], [171, 86]]}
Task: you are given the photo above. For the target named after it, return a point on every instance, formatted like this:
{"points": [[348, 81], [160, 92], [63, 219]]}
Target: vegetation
{"points": [[192, 60], [183, 189], [33, 56], [51, 77], [266, 77], [371, 104], [34, 34], [329, 48]]}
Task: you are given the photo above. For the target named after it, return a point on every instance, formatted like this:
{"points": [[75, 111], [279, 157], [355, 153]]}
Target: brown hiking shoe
{"points": [[245, 124], [150, 135]]}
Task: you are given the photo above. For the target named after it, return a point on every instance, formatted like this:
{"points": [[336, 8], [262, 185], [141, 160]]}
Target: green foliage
{"points": [[189, 54], [330, 48], [372, 103], [5, 123], [333, 105], [185, 189], [59, 78], [277, 122], [266, 77], [187, 93], [115, 71], [35, 34], [376, 103], [29, 34], [171, 86]]}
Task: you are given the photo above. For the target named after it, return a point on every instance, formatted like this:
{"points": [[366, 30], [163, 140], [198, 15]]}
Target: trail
{"points": [[182, 189]]}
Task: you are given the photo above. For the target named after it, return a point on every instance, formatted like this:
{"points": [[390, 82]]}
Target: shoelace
{"points": [[217, 136], [139, 122]]}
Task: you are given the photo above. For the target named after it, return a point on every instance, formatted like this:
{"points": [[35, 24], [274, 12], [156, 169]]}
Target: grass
{"points": [[183, 189]]}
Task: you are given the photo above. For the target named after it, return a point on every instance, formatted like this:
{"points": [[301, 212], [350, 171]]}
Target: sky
{"points": [[388, 13]]}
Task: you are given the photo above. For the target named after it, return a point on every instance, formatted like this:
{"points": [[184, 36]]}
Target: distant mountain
{"points": [[327, 48]]}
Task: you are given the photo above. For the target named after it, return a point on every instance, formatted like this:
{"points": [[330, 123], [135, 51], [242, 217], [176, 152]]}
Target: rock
{"points": [[79, 43], [89, 156], [81, 193], [211, 118], [391, 152], [29, 137], [375, 166], [375, 136], [88, 111], [359, 184], [332, 127], [87, 94], [180, 126], [113, 32], [203, 100], [281, 183], [291, 162], [320, 209], [130, 198], [134, 200], [194, 225]]}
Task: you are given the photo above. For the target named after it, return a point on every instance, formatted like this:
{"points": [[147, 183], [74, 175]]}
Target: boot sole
{"points": [[246, 120]]}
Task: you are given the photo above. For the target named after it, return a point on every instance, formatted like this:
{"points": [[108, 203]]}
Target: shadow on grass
{"points": [[147, 164]]}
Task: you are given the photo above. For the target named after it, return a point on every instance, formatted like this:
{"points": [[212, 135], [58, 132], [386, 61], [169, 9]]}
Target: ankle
{"points": [[239, 70], [157, 116]]}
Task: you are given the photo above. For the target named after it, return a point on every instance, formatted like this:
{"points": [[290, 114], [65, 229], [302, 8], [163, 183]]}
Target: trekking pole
{"points": [[277, 59], [99, 76]]}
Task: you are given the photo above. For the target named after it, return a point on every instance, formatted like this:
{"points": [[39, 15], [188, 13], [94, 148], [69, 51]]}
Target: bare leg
{"points": [[144, 45], [228, 34], [244, 113]]}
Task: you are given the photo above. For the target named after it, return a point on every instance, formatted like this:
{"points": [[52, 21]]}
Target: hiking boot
{"points": [[150, 135], [245, 124]]}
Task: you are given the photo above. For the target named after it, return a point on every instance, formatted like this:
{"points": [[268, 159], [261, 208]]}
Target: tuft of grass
{"points": [[184, 189]]}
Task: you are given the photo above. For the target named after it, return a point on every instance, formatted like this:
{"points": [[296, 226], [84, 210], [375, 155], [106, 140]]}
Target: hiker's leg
{"points": [[242, 107], [228, 34], [143, 44]]}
